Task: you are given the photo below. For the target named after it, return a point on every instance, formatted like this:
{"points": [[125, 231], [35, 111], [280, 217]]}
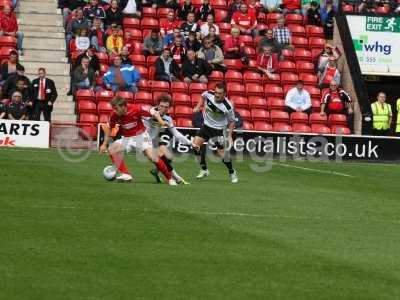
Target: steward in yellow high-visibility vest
{"points": [[382, 115], [398, 117]]}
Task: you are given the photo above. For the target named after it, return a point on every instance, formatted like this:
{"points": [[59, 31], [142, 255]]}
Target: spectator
{"points": [[9, 66], [77, 24], [330, 73], [153, 44], [283, 35], [253, 7], [232, 8], [327, 17], [186, 8], [125, 56], [291, 7], [382, 116], [166, 68], [171, 38], [83, 77], [113, 14], [11, 83], [267, 62], [205, 10], [82, 41], [167, 28], [131, 8], [121, 77], [335, 100], [3, 110], [244, 21], [68, 6], [195, 69], [271, 6], [270, 41], [298, 99], [313, 16], [9, 27], [189, 26], [234, 49], [94, 62], [214, 37], [173, 4], [213, 55], [27, 97], [94, 10], [191, 43], [98, 36], [205, 28], [16, 110], [114, 42], [178, 50], [44, 95], [322, 58]]}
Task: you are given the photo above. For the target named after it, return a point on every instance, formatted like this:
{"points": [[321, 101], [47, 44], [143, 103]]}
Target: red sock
{"points": [[119, 163], [163, 169]]}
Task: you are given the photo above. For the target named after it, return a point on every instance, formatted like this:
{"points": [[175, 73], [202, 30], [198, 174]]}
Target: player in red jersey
{"points": [[134, 135]]}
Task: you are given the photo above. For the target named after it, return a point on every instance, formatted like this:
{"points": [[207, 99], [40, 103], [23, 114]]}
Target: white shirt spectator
{"points": [[205, 29], [298, 99], [82, 43], [130, 7]]}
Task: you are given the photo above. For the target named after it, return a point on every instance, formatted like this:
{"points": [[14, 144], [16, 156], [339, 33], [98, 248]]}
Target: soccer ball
{"points": [[109, 173]]}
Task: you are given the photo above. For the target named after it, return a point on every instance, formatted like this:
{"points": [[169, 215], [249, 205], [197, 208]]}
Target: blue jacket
{"points": [[129, 74]]}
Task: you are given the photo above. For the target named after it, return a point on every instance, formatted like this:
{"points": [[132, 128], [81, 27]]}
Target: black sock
{"points": [[228, 164], [167, 162], [203, 162]]}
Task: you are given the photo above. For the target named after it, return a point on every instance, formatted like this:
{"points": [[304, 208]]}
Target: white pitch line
{"points": [[316, 170]]}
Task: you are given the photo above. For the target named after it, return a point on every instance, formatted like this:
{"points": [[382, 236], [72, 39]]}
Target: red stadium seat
{"points": [[247, 40], [218, 4], [257, 102], [233, 64], [252, 66], [275, 103], [382, 9], [149, 12], [314, 31], [289, 78], [157, 94], [279, 116], [134, 34], [128, 96], [316, 105], [138, 59], [149, 23], [211, 85], [104, 107], [273, 17], [87, 106], [299, 42], [162, 12], [259, 115], [301, 128], [281, 127], [104, 96], [262, 126], [272, 79], [320, 129], [250, 52], [294, 19], [337, 119], [137, 48], [198, 88], [88, 130], [144, 72], [144, 97], [316, 118], [8, 41], [247, 125], [339, 129], [216, 76], [254, 89], [239, 101], [195, 99], [103, 57], [103, 118], [347, 7], [88, 118], [220, 15], [287, 66], [235, 89], [5, 52], [309, 79], [84, 94], [260, 27], [179, 87], [184, 122], [287, 54], [286, 88], [316, 43], [103, 69], [159, 86], [272, 90], [315, 92], [144, 85], [305, 67], [151, 60], [181, 99], [297, 30], [225, 28], [298, 117], [131, 23], [244, 113], [182, 111], [233, 76], [302, 54]]}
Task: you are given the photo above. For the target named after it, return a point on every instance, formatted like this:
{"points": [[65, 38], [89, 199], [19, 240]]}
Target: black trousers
{"points": [[381, 132], [290, 110], [42, 106]]}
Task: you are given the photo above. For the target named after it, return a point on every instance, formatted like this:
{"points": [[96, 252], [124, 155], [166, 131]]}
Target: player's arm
{"points": [[156, 115], [199, 105], [107, 133], [231, 125], [180, 136]]}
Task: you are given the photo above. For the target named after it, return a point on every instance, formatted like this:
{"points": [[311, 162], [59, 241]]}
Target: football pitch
{"points": [[303, 230]]}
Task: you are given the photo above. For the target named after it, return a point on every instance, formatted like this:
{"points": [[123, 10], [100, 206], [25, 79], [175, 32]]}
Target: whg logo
{"points": [[362, 44]]}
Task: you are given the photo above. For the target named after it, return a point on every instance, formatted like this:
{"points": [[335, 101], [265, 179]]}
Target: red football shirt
{"points": [[169, 26], [130, 124], [244, 20]]}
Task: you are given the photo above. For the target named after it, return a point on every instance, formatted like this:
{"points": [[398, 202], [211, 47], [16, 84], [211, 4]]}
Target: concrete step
{"points": [[40, 19], [63, 118], [64, 111], [43, 34], [41, 28], [59, 104], [31, 43], [51, 68], [44, 56], [36, 1], [39, 8]]}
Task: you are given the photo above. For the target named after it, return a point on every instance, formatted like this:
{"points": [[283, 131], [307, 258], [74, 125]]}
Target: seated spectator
{"points": [[205, 28], [191, 43], [67, 7], [9, 66], [270, 41], [244, 21], [9, 27], [3, 110], [322, 58], [367, 6], [205, 10], [283, 35], [168, 41], [267, 62], [121, 77], [291, 7], [98, 36], [167, 28], [234, 49], [131, 8], [77, 24], [195, 69], [214, 37], [11, 83], [335, 101], [213, 55], [113, 15], [94, 62], [327, 18], [153, 43], [178, 50], [26, 96], [114, 42], [125, 56], [94, 10], [186, 8], [166, 68], [253, 7], [313, 16], [189, 26], [232, 8], [298, 99], [82, 41], [173, 4], [83, 76], [330, 73], [271, 6], [16, 110]]}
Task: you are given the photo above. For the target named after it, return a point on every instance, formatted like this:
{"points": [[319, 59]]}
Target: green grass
{"points": [[290, 233]]}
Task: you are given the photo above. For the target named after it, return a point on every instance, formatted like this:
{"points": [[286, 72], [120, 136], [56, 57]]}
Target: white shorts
{"points": [[140, 142]]}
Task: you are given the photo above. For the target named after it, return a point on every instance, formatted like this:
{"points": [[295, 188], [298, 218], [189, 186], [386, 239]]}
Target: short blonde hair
{"points": [[235, 30]]}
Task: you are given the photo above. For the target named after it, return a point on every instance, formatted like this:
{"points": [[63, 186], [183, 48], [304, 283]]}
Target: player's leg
{"points": [[200, 149], [166, 156], [116, 151], [154, 171], [223, 152]]}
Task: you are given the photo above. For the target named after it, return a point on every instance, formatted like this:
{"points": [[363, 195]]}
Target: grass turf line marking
{"points": [[217, 213], [316, 170]]}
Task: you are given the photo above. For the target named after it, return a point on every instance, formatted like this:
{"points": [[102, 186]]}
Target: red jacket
{"points": [[265, 63], [231, 42], [8, 23]]}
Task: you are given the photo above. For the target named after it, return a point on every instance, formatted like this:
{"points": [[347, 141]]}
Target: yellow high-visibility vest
{"points": [[398, 116], [381, 115]]}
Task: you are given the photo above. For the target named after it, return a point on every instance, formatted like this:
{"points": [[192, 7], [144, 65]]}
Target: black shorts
{"points": [[207, 133]]}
